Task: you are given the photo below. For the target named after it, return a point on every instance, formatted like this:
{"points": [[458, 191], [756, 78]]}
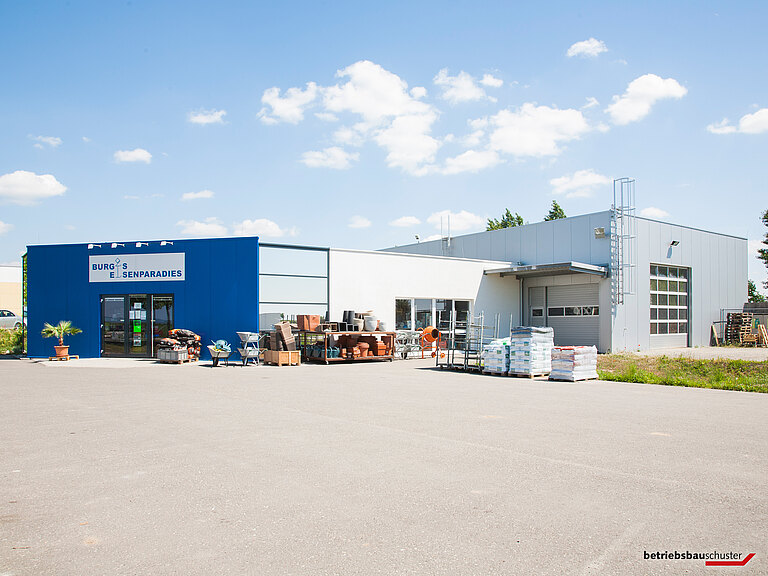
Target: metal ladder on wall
{"points": [[623, 238]]}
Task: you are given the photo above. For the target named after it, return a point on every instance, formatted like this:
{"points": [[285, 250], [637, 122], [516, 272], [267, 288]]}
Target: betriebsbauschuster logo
{"points": [[710, 558]]}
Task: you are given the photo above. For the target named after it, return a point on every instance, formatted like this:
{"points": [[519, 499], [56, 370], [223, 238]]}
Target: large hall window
{"points": [[669, 299]]}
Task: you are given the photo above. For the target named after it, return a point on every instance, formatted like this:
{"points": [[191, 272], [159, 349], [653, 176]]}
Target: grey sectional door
{"points": [[579, 323]]}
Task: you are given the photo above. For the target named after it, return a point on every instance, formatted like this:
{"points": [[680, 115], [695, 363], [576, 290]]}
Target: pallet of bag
{"points": [[531, 351], [495, 356], [573, 363]]}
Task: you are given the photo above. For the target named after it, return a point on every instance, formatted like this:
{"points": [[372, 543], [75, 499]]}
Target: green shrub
{"points": [[11, 341]]}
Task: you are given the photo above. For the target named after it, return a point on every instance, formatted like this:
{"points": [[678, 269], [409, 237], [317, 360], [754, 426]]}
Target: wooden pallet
{"points": [[576, 380], [738, 328], [495, 373], [188, 359], [762, 335], [64, 358], [527, 375]]}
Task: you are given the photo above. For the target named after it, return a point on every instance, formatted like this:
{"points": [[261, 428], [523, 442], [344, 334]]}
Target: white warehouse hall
{"points": [[609, 279]]}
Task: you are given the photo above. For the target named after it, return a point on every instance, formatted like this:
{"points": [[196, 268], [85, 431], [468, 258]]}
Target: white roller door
{"points": [[572, 311]]}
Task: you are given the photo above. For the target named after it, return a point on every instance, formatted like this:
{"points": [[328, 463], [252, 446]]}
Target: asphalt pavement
{"points": [[386, 468]]}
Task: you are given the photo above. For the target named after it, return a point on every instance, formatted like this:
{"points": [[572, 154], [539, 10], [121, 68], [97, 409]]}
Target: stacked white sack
{"points": [[531, 350], [574, 363], [495, 356]]}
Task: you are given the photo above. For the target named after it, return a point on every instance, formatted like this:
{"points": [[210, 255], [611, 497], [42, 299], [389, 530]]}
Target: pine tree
{"points": [[555, 213], [507, 221], [762, 254], [752, 294]]}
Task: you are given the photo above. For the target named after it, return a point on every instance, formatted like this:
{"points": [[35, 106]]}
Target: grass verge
{"points": [[720, 374]]}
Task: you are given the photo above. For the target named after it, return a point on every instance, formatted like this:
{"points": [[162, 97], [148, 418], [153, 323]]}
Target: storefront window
{"points": [[423, 313], [403, 320], [418, 313]]}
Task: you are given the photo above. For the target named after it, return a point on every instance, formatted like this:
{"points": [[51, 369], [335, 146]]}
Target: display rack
{"points": [[249, 347], [319, 346], [464, 337]]}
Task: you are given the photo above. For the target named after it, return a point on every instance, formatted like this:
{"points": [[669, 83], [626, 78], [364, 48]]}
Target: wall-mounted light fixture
{"points": [[92, 246], [166, 243], [115, 245], [418, 239], [674, 243], [140, 244]]}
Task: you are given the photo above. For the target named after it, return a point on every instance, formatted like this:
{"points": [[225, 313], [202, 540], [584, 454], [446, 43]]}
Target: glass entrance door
{"points": [[138, 320], [131, 324], [113, 326]]}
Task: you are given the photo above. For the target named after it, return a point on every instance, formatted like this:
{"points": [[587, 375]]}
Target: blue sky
{"points": [[358, 126]]}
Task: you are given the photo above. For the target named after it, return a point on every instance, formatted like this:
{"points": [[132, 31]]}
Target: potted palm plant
{"points": [[63, 328]]}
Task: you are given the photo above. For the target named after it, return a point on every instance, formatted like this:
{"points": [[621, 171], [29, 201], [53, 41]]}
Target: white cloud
{"points": [[352, 136], [5, 227], [756, 123], [405, 222], [408, 143], [388, 113], [290, 108], [580, 184], [591, 103], [655, 213], [534, 130], [52, 141], [27, 188], [86, 139], [385, 111], [197, 195], [326, 117], [473, 140], [135, 155], [491, 81], [208, 228], [432, 237], [207, 117], [722, 127], [641, 94], [333, 157], [471, 161], [458, 221], [587, 48], [262, 227], [373, 93], [359, 222], [460, 88]]}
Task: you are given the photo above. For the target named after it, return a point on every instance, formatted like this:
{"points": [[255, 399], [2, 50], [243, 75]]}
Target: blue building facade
{"points": [[126, 296]]}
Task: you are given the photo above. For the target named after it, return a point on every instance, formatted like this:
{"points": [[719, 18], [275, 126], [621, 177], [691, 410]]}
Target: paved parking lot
{"points": [[392, 468]]}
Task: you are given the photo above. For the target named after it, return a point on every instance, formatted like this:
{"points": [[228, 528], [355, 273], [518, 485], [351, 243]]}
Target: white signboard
{"points": [[136, 268]]}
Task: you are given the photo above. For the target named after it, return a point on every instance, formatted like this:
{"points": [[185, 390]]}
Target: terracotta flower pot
{"points": [[61, 351]]}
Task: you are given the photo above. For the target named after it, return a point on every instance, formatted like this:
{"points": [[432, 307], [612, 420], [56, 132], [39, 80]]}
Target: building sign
{"points": [[136, 267]]}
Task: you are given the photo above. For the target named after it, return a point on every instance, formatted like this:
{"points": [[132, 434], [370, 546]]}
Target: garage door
{"points": [[573, 312]]}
